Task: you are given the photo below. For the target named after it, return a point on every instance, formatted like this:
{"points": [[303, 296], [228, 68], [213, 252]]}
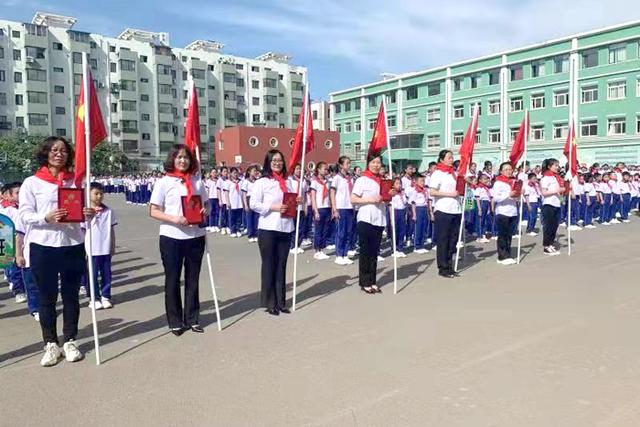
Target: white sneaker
{"points": [[460, 245], [421, 251], [575, 228], [606, 223], [106, 303], [515, 236], [330, 247], [20, 298], [306, 242], [71, 351], [347, 261], [216, 229], [380, 258], [563, 224], [509, 261], [320, 256], [494, 237], [36, 316], [83, 291], [480, 240], [340, 261], [209, 229], [97, 305], [409, 243], [590, 226], [228, 230], [399, 254], [223, 231], [292, 251], [524, 222], [626, 221], [551, 251], [580, 222], [300, 250], [615, 221], [384, 233], [429, 241], [234, 235], [532, 234], [52, 355], [351, 254]]}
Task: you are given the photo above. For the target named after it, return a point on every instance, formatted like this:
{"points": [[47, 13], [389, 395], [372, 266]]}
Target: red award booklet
{"points": [[385, 189], [289, 199], [72, 200], [192, 210], [517, 187]]}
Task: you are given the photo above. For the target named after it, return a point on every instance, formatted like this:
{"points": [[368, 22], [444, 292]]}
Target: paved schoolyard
{"points": [[552, 342]]}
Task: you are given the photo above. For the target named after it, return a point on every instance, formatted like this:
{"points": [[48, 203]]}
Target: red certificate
{"points": [[192, 210], [72, 200], [289, 199], [461, 182], [385, 189], [517, 187]]}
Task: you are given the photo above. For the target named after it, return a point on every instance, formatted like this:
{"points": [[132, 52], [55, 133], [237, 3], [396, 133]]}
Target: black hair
{"points": [[531, 175], [503, 164], [418, 175], [170, 161], [42, 154], [443, 153], [487, 163], [96, 186], [547, 163], [343, 159], [266, 167], [250, 169], [371, 157], [432, 164], [234, 169], [318, 166]]}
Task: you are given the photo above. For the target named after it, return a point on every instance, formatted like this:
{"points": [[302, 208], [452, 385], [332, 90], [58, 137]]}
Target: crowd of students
{"points": [[342, 211]]}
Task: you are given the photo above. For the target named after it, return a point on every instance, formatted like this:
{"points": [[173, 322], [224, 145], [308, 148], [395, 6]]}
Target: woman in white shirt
{"points": [[274, 231], [506, 212], [56, 252], [181, 244], [342, 210], [551, 188], [447, 212], [372, 219]]}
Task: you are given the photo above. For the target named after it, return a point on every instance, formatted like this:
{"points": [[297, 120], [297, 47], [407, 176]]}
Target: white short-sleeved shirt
{"points": [[321, 202], [625, 187], [234, 194], [101, 227], [399, 201], [635, 189], [374, 214], [419, 198], [265, 193], [293, 184], [505, 205], [531, 192], [167, 194], [589, 189], [222, 185], [212, 188], [482, 193], [343, 196], [443, 181], [550, 183]]}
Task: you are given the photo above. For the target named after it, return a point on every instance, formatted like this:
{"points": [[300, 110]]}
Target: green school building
{"points": [[593, 76]]}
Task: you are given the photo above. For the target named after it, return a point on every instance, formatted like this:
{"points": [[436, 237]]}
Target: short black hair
{"points": [[169, 163], [42, 154], [96, 186], [11, 185], [531, 175], [443, 153], [266, 166], [503, 164]]}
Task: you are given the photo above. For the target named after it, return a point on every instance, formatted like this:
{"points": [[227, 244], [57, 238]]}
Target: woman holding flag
{"points": [[506, 211], [55, 251], [181, 244]]}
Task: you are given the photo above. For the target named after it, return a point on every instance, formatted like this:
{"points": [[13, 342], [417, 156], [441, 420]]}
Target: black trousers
{"points": [[505, 226], [175, 253], [447, 228], [274, 250], [53, 269], [369, 238], [550, 221]]}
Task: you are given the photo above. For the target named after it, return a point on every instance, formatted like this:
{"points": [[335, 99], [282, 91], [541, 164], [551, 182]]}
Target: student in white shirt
{"points": [[221, 186], [181, 244], [482, 195], [252, 217], [372, 219], [447, 212], [420, 211], [274, 231], [233, 198], [590, 201], [616, 198], [532, 197], [551, 188], [506, 212], [214, 205], [399, 203], [9, 207], [342, 210], [408, 184], [294, 182], [103, 244], [625, 196], [321, 210], [56, 249]]}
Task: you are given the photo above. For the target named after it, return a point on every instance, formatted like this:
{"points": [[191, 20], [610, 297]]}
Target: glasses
{"points": [[277, 161]]}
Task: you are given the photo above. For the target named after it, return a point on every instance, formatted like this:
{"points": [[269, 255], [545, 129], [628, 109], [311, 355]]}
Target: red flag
{"points": [[571, 144], [192, 125], [519, 144], [97, 130], [466, 149], [379, 138], [296, 151]]}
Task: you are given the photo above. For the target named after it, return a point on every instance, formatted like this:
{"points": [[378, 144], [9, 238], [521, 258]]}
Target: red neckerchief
{"points": [[278, 177], [7, 203], [421, 190], [483, 185], [510, 181], [186, 180], [372, 176], [534, 186], [45, 174], [324, 186], [237, 185], [349, 182], [446, 169], [556, 176]]}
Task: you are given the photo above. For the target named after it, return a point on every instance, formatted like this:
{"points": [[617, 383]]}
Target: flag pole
{"points": [[524, 165], [392, 213], [571, 136], [206, 244], [87, 197], [305, 107]]}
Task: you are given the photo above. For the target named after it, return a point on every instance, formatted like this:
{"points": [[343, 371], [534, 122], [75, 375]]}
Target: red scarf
{"points": [[237, 185], [483, 185], [186, 180], [45, 174], [372, 176], [278, 177], [534, 186], [446, 169], [324, 186], [421, 190], [510, 181], [7, 203], [349, 182], [556, 176]]}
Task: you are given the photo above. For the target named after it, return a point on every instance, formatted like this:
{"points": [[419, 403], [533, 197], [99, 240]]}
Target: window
{"points": [[373, 101], [164, 70], [339, 128], [475, 81], [391, 98], [203, 129], [272, 83], [2, 76], [114, 107], [17, 77], [617, 53], [616, 126], [37, 97], [433, 89], [128, 105], [412, 92], [58, 89], [128, 85], [537, 133], [411, 119], [77, 57], [433, 115], [457, 84], [494, 77], [372, 124], [515, 104], [561, 64], [297, 102], [538, 68], [58, 70], [77, 79], [494, 136], [560, 98], [616, 90], [166, 127], [211, 103], [19, 100], [391, 121], [239, 81], [253, 141], [144, 97], [57, 46], [589, 128], [270, 99], [146, 136], [129, 126], [145, 117], [164, 89], [143, 58], [560, 130], [255, 69], [513, 132], [38, 119], [537, 101], [17, 55], [271, 117], [357, 125], [638, 124], [516, 72], [1, 53], [472, 106], [127, 65], [638, 88], [185, 75], [61, 132], [273, 142], [328, 144], [494, 107], [433, 141], [255, 101], [15, 34], [590, 58], [3, 98], [93, 63], [458, 111], [347, 127], [199, 74], [357, 105], [256, 118], [589, 94], [19, 122], [457, 138], [255, 84]]}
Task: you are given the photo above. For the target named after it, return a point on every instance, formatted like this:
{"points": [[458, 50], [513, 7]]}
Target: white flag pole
{"points": [[305, 118], [87, 197], [392, 213], [524, 165], [571, 136], [206, 244]]}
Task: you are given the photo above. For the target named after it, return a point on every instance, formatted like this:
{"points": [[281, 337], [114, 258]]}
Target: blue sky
{"points": [[345, 43]]}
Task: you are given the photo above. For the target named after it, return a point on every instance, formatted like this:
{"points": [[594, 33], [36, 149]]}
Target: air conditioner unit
{"points": [[31, 59]]}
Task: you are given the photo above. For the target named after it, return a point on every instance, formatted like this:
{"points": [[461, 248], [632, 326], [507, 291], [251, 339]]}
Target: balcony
{"points": [[6, 125]]}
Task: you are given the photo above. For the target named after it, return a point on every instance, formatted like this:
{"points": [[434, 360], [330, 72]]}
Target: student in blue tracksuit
{"points": [[532, 197], [246, 186], [214, 204], [591, 197], [483, 201], [420, 210], [321, 210], [625, 196], [342, 210], [399, 208], [224, 208]]}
